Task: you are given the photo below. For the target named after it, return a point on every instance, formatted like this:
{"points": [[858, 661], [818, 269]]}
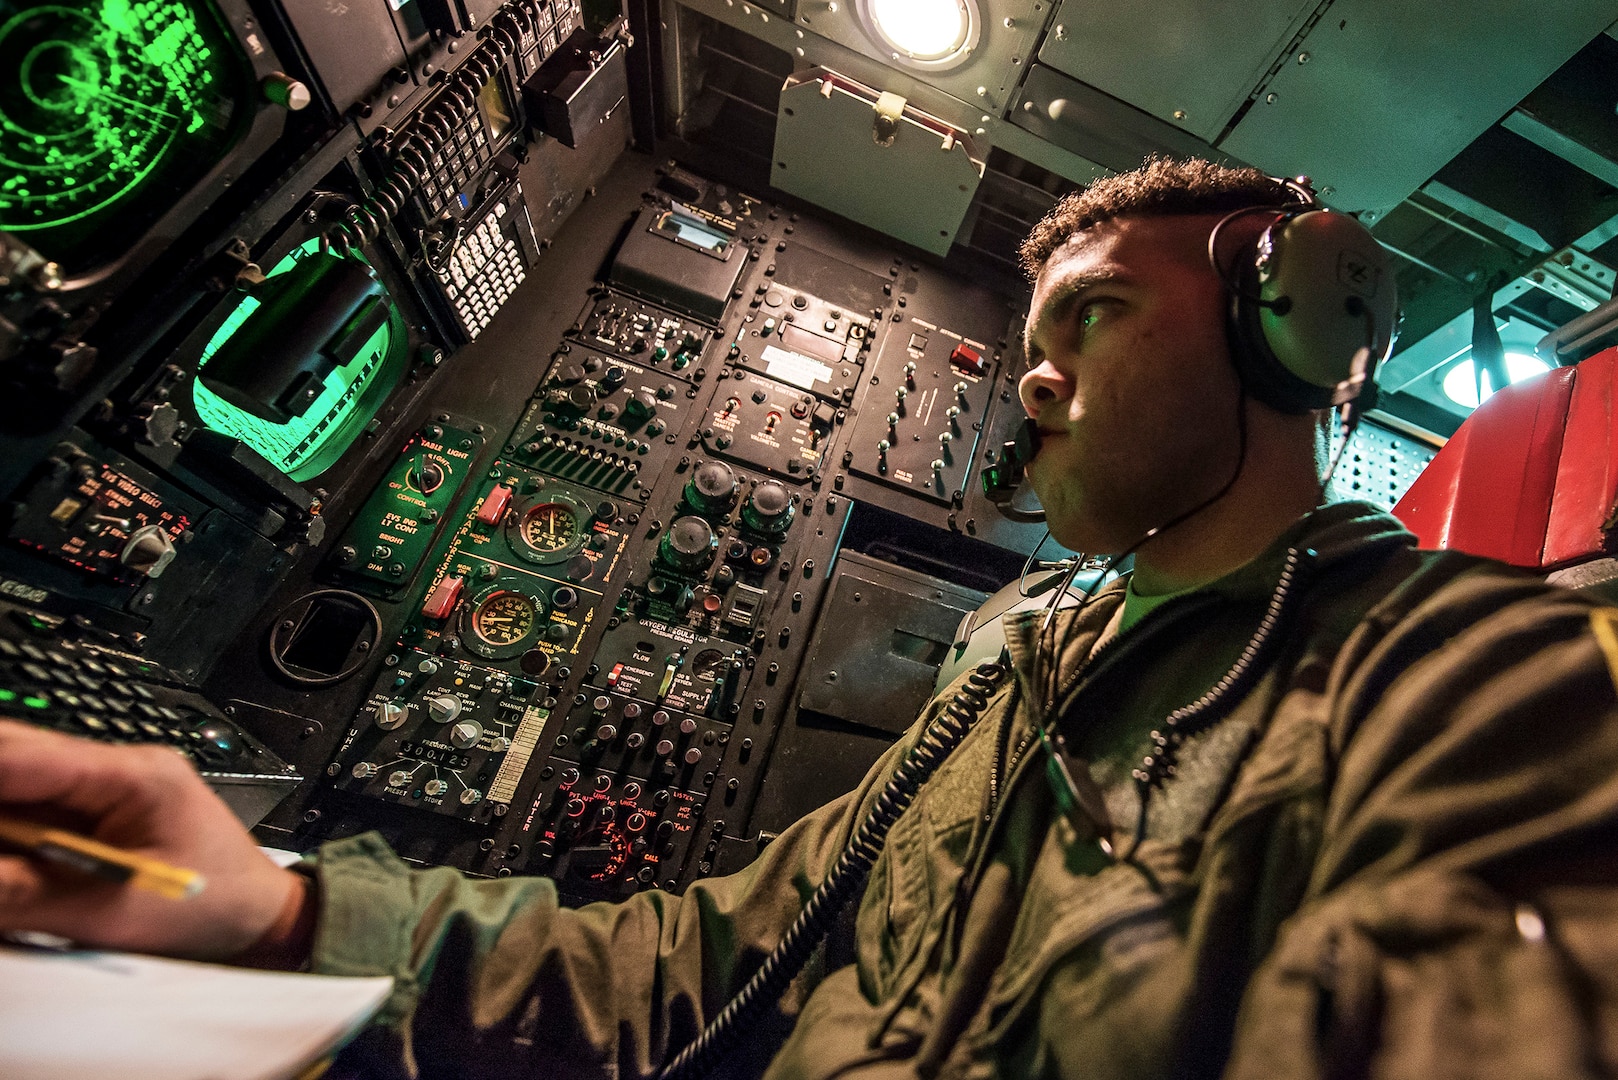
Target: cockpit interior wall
{"points": [[552, 433]]}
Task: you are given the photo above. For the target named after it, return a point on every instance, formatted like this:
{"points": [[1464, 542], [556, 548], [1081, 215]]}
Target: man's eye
{"points": [[1090, 315]]}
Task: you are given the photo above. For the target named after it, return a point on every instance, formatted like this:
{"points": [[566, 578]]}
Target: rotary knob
{"points": [[364, 771], [465, 735], [148, 552], [712, 487], [389, 715], [443, 708], [435, 787], [688, 546], [428, 476], [769, 508], [641, 406]]}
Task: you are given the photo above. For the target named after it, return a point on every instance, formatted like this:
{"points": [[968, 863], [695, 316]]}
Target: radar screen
{"points": [[305, 443], [109, 110]]}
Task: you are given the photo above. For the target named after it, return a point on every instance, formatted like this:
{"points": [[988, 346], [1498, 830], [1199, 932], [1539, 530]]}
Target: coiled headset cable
{"points": [[846, 880]]}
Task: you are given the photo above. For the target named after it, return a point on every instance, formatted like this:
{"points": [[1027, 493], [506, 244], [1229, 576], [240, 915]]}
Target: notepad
{"points": [[95, 1015]]}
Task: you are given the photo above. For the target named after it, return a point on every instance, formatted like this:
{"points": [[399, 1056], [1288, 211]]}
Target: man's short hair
{"points": [[1160, 187]]}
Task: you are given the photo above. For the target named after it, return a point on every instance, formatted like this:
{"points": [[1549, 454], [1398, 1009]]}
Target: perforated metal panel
{"points": [[1381, 465]]}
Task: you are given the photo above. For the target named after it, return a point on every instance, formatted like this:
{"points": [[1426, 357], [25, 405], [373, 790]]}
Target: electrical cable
{"points": [[1160, 762], [847, 877]]}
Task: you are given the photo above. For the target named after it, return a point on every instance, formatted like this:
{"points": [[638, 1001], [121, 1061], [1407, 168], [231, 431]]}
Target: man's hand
{"points": [[147, 800]]}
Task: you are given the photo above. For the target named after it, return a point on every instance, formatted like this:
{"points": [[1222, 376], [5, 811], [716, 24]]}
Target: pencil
{"points": [[100, 860]]}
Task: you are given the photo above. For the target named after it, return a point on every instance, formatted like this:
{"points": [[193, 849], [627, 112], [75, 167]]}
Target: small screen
{"points": [[309, 444], [496, 110]]}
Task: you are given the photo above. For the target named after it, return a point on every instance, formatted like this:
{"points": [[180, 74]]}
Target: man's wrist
{"points": [[287, 944]]}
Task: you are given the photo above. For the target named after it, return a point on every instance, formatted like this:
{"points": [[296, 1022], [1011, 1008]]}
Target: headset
{"points": [[1313, 308], [1313, 312]]}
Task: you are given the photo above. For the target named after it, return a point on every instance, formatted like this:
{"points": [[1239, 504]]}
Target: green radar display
{"points": [[110, 111], [309, 443]]}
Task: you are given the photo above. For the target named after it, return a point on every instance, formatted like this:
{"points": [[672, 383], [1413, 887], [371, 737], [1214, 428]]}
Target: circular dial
{"points": [[769, 508], [688, 545], [502, 623], [503, 618], [550, 526], [712, 487]]}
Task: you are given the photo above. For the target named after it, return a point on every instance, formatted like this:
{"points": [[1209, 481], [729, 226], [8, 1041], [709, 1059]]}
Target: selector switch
{"points": [[389, 715], [148, 551], [465, 735], [443, 708]]}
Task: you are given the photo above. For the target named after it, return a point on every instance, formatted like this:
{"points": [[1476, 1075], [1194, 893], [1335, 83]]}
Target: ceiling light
{"points": [[928, 34], [1461, 386]]}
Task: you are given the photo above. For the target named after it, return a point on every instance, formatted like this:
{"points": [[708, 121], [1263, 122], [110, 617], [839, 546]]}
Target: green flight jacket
{"points": [[1393, 857]]}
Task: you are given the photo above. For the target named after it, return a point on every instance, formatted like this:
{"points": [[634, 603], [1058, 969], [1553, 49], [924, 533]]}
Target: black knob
{"points": [[712, 487], [613, 377], [769, 508], [689, 545], [640, 407], [428, 476]]}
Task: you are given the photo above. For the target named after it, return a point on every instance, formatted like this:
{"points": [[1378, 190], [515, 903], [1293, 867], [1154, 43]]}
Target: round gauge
{"points": [[549, 529], [501, 623], [550, 526]]}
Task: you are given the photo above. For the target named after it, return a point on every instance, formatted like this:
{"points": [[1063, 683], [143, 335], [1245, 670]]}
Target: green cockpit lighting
{"points": [[107, 109], [309, 443]]}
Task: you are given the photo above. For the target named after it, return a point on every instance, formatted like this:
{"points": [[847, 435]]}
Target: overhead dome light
{"points": [[1461, 386], [926, 34]]}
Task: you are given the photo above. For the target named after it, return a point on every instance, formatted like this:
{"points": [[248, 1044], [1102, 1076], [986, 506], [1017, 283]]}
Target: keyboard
{"points": [[92, 691]]}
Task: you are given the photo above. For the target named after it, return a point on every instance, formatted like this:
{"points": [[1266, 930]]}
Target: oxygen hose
{"points": [[846, 880]]}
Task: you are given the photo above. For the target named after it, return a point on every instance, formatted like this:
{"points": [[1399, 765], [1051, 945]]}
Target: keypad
{"points": [[84, 690], [486, 267]]}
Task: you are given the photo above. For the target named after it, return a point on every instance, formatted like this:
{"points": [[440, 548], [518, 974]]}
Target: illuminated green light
{"points": [[7, 695], [308, 445], [99, 101], [36, 702]]}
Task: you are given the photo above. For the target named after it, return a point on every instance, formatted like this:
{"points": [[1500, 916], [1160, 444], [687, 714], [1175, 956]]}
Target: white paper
{"points": [[795, 368], [95, 1015]]}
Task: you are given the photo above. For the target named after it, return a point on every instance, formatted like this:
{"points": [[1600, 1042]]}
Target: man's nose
{"points": [[1041, 386]]}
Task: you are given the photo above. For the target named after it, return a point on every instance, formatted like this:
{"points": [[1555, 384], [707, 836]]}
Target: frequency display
{"points": [[108, 111]]}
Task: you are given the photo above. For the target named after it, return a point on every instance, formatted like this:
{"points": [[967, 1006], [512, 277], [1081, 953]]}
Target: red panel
{"points": [[1587, 477], [1489, 490]]}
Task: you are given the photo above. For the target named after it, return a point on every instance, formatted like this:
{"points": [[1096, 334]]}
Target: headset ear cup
{"points": [[1309, 296], [1326, 292], [1264, 376]]}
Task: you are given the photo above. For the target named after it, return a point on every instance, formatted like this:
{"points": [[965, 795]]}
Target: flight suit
{"points": [[1391, 853]]}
